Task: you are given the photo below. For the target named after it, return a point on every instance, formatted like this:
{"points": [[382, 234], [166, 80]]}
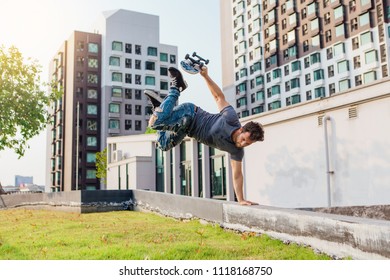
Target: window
{"points": [[138, 110], [128, 93], [172, 58], [91, 141], [149, 65], [128, 78], [117, 46], [113, 124], [164, 57], [116, 92], [92, 109], [295, 83], [318, 74], [364, 19], [91, 174], [307, 62], [286, 70], [91, 157], [339, 49], [93, 47], [241, 102], [138, 125], [311, 9], [92, 125], [114, 61], [308, 79], [340, 30], [358, 80], [344, 85], [275, 90], [319, 92], [356, 62], [365, 38], [163, 85], [328, 36], [339, 12], [92, 93], [128, 62], [137, 49], [150, 80], [295, 66], [163, 71], [128, 48], [369, 77], [332, 88], [127, 124], [371, 56], [315, 58], [314, 24], [93, 62], [152, 51], [343, 66], [116, 77], [259, 80], [114, 108], [128, 109], [355, 43], [277, 73], [330, 71], [92, 78], [274, 105], [315, 41], [138, 64]]}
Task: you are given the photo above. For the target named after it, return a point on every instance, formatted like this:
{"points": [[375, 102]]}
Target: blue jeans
{"points": [[172, 122]]}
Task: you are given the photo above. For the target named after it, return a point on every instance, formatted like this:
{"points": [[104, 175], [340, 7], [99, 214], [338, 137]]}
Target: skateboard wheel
{"points": [[194, 54], [187, 56]]}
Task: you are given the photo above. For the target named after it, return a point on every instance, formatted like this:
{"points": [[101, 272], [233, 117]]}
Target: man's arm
{"points": [[215, 90], [238, 182]]}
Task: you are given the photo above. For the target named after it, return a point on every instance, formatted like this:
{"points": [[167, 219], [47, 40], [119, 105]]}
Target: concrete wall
{"points": [[289, 168]]}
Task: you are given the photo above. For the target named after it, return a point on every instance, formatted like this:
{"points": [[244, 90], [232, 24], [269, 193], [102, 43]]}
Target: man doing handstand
{"points": [[222, 131]]}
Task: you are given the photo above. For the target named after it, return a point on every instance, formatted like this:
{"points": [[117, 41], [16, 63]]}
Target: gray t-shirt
{"points": [[215, 130]]}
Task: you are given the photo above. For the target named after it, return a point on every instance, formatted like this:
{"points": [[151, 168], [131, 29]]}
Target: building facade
{"points": [[74, 136], [103, 75], [277, 53], [133, 60]]}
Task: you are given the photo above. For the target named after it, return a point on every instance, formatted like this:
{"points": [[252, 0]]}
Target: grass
{"points": [[49, 235]]}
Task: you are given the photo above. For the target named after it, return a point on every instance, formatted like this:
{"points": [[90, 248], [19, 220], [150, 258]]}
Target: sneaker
{"points": [[177, 80], [154, 98]]}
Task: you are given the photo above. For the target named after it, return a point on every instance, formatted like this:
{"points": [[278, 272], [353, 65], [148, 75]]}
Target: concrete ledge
{"points": [[341, 236], [75, 201]]}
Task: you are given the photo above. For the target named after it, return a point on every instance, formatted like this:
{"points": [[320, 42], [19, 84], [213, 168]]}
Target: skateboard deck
{"points": [[192, 65]]}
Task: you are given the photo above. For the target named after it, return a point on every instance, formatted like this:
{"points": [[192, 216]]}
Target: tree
{"points": [[23, 103], [101, 165]]}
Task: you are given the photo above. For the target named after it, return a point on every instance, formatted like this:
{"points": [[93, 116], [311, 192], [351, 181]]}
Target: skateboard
{"points": [[192, 65]]}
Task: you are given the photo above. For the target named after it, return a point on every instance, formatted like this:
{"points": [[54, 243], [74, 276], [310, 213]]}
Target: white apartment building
{"points": [[280, 53]]}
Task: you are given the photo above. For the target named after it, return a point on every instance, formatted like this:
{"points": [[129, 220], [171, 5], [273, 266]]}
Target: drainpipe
{"points": [[328, 171]]}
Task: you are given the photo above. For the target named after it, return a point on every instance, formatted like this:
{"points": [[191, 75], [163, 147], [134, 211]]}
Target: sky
{"points": [[39, 27]]}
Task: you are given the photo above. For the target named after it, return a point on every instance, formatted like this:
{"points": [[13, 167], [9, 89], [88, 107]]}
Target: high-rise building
{"points": [[74, 136], [103, 75], [277, 53], [133, 60]]}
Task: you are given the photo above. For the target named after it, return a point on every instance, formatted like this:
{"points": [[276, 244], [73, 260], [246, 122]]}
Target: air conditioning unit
{"points": [[116, 155]]}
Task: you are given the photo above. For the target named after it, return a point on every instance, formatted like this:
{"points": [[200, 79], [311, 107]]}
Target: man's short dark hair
{"points": [[255, 129]]}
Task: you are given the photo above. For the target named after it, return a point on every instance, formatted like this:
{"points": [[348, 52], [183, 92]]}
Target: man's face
{"points": [[243, 140]]}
